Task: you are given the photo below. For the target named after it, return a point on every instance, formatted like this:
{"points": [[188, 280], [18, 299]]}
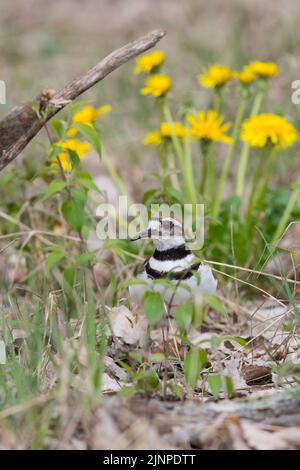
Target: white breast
{"points": [[207, 284], [173, 265]]}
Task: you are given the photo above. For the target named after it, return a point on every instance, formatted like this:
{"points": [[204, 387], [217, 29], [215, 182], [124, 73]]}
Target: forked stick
{"points": [[19, 127]]}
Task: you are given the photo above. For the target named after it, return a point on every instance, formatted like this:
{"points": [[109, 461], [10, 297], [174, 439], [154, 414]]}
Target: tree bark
{"points": [[19, 127], [279, 408]]}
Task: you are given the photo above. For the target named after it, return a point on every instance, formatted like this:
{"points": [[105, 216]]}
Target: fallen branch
{"points": [[19, 127]]}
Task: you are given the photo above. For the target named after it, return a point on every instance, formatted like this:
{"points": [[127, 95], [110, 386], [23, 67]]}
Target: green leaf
{"points": [[149, 196], [127, 391], [79, 195], [216, 304], [136, 357], [147, 380], [156, 357], [54, 187], [69, 276], [175, 194], [54, 258], [194, 362], [58, 126], [91, 134], [296, 185], [215, 384], [184, 315], [122, 248], [154, 307], [75, 160], [89, 184], [198, 315], [83, 259], [132, 282], [177, 390], [56, 149], [237, 339], [229, 386], [165, 283], [73, 213]]}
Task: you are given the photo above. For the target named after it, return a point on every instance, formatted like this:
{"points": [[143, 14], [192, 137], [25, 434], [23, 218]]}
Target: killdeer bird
{"points": [[172, 259]]}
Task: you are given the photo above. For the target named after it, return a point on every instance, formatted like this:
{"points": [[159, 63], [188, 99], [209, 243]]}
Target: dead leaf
{"points": [[257, 375], [127, 326], [232, 369], [110, 384], [262, 437]]}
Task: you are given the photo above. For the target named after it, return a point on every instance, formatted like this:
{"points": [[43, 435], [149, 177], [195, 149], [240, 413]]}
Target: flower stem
{"points": [[203, 171], [188, 175], [162, 148], [266, 177], [286, 215], [258, 101], [212, 151], [167, 160], [256, 201], [162, 161], [229, 156], [189, 171], [173, 171], [217, 99], [243, 164], [253, 193], [211, 159], [176, 143]]}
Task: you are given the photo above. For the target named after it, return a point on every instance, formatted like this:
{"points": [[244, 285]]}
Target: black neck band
{"points": [[172, 254], [174, 275]]}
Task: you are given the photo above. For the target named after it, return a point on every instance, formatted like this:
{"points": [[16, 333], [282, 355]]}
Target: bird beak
{"points": [[143, 234]]}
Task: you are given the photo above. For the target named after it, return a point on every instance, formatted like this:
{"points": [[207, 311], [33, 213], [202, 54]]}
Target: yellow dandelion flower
{"points": [[245, 76], [264, 69], [87, 116], [157, 85], [215, 76], [209, 127], [72, 132], [147, 63], [81, 148], [64, 160], [167, 130], [259, 130], [152, 138], [106, 108]]}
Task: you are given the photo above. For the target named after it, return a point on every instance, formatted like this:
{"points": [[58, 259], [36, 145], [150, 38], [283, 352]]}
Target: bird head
{"points": [[166, 232]]}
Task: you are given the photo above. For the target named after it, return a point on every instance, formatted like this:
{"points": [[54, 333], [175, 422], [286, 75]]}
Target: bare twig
{"points": [[19, 127]]}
